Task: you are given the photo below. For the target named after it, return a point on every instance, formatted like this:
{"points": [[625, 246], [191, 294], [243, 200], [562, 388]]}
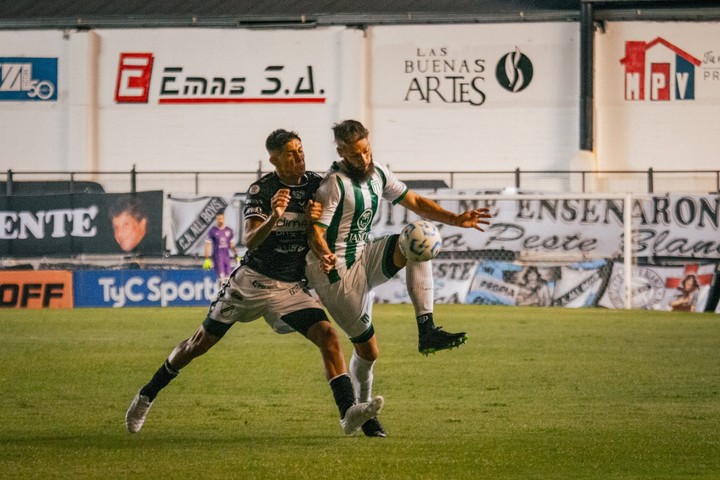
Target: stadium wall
{"points": [[466, 97]]}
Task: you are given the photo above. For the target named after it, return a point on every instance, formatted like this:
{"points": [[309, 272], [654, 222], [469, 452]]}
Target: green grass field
{"points": [[535, 394]]}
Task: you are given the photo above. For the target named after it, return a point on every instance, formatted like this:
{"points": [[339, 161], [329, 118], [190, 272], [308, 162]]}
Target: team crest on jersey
{"points": [[375, 186], [254, 189], [365, 219]]}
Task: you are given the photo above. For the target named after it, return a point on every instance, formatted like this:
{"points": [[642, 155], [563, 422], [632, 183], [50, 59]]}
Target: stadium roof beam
{"points": [[279, 21]]}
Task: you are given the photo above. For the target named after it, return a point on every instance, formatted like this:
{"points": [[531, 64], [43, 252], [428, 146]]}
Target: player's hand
{"points": [[474, 219], [207, 265], [280, 201], [327, 262], [313, 211]]}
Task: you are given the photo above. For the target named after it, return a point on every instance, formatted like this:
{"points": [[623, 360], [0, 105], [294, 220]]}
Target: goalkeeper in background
{"points": [[218, 245]]}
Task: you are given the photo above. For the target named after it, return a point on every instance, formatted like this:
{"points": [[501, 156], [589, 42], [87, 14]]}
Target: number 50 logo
{"points": [[28, 79]]}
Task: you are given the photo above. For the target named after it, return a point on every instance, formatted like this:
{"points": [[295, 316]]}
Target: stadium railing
{"points": [[540, 181]]}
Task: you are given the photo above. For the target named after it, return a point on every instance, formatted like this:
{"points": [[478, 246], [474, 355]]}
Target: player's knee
{"points": [[325, 337], [330, 340], [367, 351], [200, 343]]}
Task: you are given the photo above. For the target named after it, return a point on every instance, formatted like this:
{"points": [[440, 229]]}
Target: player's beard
{"points": [[359, 174]]}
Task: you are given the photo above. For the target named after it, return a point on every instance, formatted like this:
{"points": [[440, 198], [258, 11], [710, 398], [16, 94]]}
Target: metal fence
{"points": [[231, 182]]}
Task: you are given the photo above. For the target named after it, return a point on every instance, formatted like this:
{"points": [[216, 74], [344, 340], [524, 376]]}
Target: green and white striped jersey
{"points": [[349, 208]]}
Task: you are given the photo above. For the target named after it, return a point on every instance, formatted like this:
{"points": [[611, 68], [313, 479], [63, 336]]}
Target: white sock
{"points": [[361, 373], [419, 280]]}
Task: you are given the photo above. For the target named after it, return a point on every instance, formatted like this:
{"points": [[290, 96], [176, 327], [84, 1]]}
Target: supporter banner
{"points": [[191, 218], [545, 285], [69, 224], [664, 226], [144, 288], [452, 281], [36, 289], [681, 288]]}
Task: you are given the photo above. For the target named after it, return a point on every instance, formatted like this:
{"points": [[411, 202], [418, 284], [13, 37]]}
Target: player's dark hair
{"points": [[278, 139], [349, 131], [130, 205]]}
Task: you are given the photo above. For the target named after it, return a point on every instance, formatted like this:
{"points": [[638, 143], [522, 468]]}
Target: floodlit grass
{"points": [[535, 394]]}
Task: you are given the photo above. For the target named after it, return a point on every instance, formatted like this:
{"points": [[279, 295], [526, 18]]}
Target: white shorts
{"points": [[249, 295], [350, 299]]}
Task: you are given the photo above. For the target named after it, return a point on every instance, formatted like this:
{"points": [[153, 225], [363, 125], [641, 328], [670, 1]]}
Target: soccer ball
{"points": [[420, 241]]}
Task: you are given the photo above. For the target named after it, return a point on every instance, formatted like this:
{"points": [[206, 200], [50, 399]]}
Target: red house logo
{"points": [[658, 71]]}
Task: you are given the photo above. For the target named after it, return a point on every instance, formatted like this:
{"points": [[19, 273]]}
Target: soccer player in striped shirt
{"points": [[345, 264]]}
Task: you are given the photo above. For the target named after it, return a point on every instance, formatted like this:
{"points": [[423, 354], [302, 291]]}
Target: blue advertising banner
{"points": [[28, 79], [144, 288]]}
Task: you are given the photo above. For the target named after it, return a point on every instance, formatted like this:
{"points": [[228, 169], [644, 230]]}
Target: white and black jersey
{"points": [[282, 255]]}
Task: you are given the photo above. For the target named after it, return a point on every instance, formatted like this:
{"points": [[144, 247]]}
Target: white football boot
{"points": [[138, 410], [359, 414]]}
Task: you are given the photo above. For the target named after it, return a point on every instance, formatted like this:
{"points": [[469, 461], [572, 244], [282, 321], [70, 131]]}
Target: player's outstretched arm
{"points": [[429, 209]]}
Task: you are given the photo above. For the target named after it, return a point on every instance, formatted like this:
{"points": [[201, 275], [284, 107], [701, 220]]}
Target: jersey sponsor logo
{"points": [[357, 237], [291, 222], [253, 211], [298, 194], [260, 286], [28, 79], [296, 288]]}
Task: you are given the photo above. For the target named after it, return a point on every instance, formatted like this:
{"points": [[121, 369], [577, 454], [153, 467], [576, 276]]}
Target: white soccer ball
{"points": [[420, 241]]}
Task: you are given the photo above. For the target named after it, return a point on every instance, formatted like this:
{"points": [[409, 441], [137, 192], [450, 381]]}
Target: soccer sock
{"points": [[159, 381], [361, 372], [421, 289], [342, 390]]}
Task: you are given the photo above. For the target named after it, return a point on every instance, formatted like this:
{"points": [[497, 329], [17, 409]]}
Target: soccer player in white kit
{"points": [[344, 264]]}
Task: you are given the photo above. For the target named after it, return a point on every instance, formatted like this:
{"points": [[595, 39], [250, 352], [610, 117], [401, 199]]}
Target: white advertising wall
{"points": [[207, 99], [186, 100], [475, 97], [657, 95], [449, 97], [436, 97], [38, 107]]}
